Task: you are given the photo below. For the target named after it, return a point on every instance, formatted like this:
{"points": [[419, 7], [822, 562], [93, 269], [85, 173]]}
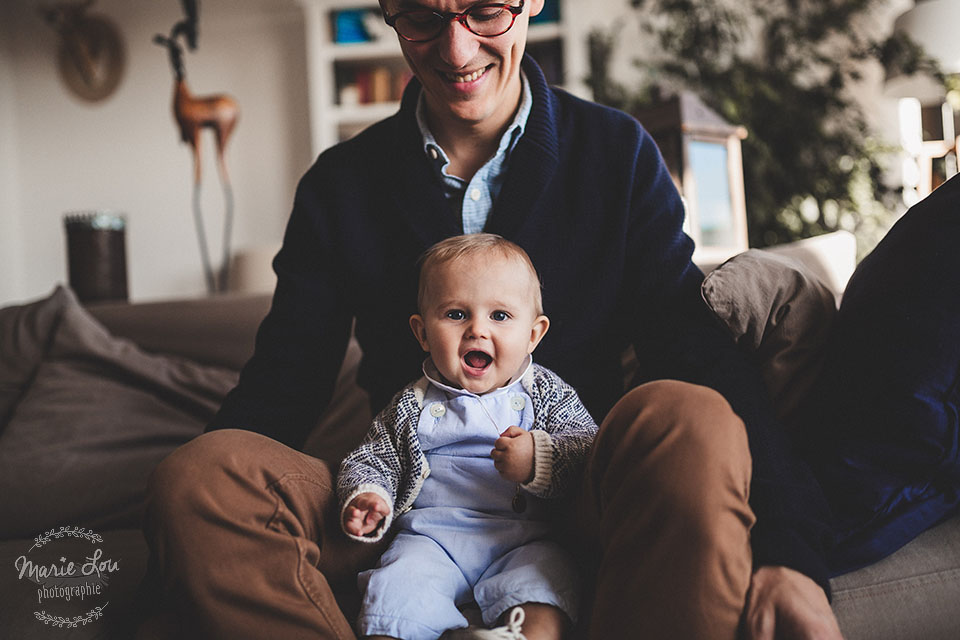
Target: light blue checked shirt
{"points": [[478, 195]]}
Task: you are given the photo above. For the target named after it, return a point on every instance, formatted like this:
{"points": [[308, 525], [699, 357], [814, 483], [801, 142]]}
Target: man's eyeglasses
{"points": [[421, 25]]}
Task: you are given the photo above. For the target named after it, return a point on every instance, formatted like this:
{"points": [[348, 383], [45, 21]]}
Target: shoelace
{"points": [[512, 630]]}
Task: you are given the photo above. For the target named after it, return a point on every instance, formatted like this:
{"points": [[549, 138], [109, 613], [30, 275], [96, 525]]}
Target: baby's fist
{"points": [[364, 513], [513, 455]]}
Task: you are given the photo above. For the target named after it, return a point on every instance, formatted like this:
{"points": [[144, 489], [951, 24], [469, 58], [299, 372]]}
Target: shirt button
{"points": [[517, 403], [433, 153], [475, 194], [437, 410]]}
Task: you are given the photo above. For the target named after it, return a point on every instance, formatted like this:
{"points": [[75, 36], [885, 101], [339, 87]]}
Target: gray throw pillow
{"points": [[95, 417], [24, 333], [782, 314]]}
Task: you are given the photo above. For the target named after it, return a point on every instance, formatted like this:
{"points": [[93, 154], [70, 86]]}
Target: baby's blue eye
{"points": [[456, 314], [499, 316]]}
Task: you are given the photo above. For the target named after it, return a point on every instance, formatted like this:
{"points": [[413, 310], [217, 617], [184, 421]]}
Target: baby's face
{"points": [[479, 321]]}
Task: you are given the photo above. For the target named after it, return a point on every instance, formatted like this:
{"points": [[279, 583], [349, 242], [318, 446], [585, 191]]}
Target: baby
{"points": [[470, 528]]}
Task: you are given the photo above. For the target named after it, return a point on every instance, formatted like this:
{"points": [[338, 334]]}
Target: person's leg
{"points": [[541, 578], [245, 540], [412, 592], [665, 502]]}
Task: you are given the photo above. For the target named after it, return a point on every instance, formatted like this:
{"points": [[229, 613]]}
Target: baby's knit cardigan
{"points": [[391, 463]]}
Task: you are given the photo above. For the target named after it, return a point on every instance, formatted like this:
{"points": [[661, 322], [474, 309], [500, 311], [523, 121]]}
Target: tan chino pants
{"points": [[245, 539]]}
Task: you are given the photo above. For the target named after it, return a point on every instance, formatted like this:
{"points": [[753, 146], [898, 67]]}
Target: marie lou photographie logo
{"points": [[69, 572]]}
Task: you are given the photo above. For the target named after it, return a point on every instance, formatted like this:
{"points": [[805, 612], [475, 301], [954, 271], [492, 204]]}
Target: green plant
{"points": [[784, 70]]}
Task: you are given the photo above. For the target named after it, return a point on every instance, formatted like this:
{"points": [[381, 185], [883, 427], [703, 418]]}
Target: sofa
{"points": [[92, 398]]}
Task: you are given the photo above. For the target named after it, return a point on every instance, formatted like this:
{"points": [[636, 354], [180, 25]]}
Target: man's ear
{"points": [[536, 6], [419, 329], [537, 331]]}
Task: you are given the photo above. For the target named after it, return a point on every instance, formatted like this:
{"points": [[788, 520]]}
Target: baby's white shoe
{"points": [[511, 631]]}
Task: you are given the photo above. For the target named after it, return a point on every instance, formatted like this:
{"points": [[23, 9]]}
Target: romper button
{"points": [[437, 410], [517, 403]]}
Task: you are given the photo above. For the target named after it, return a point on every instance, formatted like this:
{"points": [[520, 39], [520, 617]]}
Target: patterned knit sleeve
{"points": [[563, 434], [376, 467]]}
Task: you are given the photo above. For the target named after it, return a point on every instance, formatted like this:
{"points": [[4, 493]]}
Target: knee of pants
{"points": [[678, 439], [211, 464], [198, 461]]}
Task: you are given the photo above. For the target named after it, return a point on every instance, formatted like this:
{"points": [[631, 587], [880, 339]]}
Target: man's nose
{"points": [[457, 45]]}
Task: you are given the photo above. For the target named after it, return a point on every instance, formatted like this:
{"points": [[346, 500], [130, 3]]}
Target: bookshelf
{"points": [[356, 72]]}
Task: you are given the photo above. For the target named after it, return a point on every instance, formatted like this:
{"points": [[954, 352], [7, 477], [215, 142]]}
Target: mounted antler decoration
{"points": [[217, 112], [91, 56]]}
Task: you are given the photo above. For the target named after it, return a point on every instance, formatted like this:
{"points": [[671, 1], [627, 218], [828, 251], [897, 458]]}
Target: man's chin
{"points": [[465, 109]]}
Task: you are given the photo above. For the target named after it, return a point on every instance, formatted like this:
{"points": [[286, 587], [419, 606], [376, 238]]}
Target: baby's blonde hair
{"points": [[459, 247]]}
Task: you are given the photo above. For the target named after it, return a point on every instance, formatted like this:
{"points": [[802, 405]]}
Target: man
{"points": [[244, 530]]}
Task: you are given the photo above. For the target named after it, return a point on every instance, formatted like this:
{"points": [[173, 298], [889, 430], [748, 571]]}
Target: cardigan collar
{"points": [[419, 196]]}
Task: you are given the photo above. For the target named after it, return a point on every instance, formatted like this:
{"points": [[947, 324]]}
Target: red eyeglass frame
{"points": [[452, 16]]}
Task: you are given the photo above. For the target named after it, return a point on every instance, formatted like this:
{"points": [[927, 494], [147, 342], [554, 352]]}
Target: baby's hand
{"points": [[513, 455], [364, 513]]}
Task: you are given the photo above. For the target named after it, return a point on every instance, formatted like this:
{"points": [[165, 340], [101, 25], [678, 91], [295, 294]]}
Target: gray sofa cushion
{"points": [[913, 594], [91, 417], [216, 330], [781, 314]]}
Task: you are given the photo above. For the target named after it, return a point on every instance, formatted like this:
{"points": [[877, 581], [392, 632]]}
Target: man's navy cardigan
{"points": [[589, 198]]}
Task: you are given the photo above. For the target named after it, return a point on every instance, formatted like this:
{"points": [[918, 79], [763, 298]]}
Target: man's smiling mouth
{"points": [[469, 77]]}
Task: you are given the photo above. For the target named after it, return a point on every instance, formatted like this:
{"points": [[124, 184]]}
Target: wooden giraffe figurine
{"points": [[193, 114], [218, 112]]}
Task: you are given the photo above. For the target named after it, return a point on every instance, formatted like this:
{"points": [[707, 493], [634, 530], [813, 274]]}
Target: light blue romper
{"points": [[462, 541]]}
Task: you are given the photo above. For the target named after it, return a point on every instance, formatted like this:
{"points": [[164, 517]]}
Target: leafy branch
{"points": [[785, 70]]}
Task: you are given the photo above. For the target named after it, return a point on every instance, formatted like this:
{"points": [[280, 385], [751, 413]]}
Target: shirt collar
{"points": [[433, 375], [507, 141]]}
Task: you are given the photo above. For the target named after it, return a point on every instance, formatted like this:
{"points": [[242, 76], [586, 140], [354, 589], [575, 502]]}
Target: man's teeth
{"points": [[470, 77]]}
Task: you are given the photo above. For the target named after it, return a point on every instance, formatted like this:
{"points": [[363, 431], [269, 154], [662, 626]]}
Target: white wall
{"points": [[10, 234], [58, 153]]}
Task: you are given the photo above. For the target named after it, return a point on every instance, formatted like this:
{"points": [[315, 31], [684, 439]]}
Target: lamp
{"points": [[702, 152], [934, 24], [928, 121]]}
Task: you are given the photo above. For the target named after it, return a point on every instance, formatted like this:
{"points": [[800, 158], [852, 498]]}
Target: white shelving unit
{"points": [[331, 119]]}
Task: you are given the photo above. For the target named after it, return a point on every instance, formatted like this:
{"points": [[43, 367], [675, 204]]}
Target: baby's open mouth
{"points": [[477, 359]]}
